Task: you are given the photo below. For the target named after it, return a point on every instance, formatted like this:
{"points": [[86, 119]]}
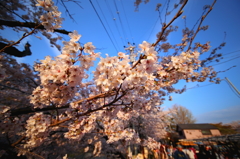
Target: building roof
{"points": [[196, 126]]}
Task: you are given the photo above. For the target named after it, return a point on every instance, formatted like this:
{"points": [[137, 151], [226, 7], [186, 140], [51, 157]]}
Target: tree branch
{"points": [[166, 26], [17, 42], [14, 89], [11, 50], [27, 110], [198, 29], [90, 110], [31, 153], [18, 141], [29, 25]]}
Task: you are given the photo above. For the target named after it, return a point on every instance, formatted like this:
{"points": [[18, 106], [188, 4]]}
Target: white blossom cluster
{"points": [[75, 129], [61, 77], [151, 143], [115, 131], [50, 20], [37, 129]]}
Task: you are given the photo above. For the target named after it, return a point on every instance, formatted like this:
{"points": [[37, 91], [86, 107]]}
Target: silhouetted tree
{"points": [[225, 129]]}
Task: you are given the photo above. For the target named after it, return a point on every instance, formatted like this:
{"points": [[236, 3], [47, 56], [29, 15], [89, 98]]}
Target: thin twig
{"points": [[28, 110], [168, 1], [14, 89], [102, 95], [166, 26], [18, 141], [90, 110], [32, 153], [33, 81], [12, 12], [29, 25], [198, 29], [67, 11], [24, 36]]}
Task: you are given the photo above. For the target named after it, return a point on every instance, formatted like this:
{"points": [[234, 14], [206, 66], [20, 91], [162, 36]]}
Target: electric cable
{"points": [[198, 86], [226, 61], [225, 57], [216, 62], [166, 11], [124, 33], [231, 52], [127, 21], [109, 8], [103, 24], [107, 24], [159, 17], [154, 26]]}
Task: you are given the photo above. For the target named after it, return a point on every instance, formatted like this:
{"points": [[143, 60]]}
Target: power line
{"points": [[226, 57], [231, 52], [159, 17], [107, 22], [127, 21], [124, 33], [152, 29], [235, 57], [227, 61], [235, 92], [109, 8], [201, 86], [164, 5], [103, 24], [166, 11]]}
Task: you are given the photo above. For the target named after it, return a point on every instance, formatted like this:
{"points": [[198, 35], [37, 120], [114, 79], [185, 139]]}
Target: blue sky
{"points": [[208, 103]]}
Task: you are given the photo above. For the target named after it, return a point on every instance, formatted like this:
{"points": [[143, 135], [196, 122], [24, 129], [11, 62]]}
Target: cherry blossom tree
{"points": [[48, 110]]}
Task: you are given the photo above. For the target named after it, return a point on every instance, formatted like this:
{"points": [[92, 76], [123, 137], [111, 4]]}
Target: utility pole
{"points": [[131, 52], [232, 85]]}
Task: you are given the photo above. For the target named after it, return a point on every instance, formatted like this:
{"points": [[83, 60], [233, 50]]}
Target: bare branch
{"points": [[12, 12], [11, 50], [180, 11], [24, 36], [91, 110], [14, 89], [18, 141], [31, 153], [29, 25], [198, 29], [27, 110]]}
